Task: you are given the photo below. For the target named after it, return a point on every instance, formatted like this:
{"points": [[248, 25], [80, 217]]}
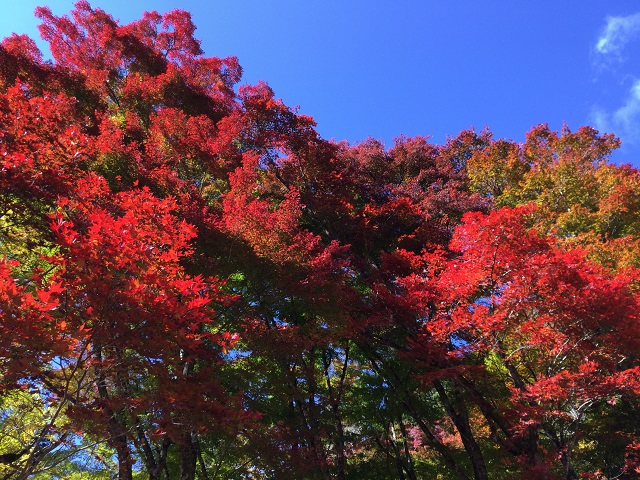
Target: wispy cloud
{"points": [[625, 121], [600, 119], [617, 32], [615, 41], [628, 116]]}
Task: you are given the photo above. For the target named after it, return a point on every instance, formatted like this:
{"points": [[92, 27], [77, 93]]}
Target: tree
{"points": [[519, 315], [195, 284]]}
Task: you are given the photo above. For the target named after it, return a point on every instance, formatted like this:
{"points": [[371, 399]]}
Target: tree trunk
{"points": [[435, 443], [410, 470], [188, 458], [457, 410], [117, 431]]}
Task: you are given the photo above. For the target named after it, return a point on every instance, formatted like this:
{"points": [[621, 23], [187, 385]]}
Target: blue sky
{"points": [[374, 68]]}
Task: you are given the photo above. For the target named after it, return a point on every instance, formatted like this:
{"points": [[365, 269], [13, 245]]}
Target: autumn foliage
{"points": [[194, 284]]}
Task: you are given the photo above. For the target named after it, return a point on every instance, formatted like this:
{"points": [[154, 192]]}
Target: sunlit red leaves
{"points": [[268, 124], [22, 46], [31, 331], [174, 137], [271, 227], [41, 147], [159, 50], [551, 317], [119, 285], [510, 275], [85, 43], [124, 241]]}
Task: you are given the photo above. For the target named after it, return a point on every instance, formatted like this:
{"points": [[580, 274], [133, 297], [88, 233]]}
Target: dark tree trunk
{"points": [[117, 431], [188, 458], [457, 410]]}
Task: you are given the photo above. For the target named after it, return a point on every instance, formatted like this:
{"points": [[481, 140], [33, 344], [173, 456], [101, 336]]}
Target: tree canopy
{"points": [[194, 284]]}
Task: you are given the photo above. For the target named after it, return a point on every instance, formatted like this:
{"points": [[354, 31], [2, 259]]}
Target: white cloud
{"points": [[628, 116], [600, 119], [618, 42], [625, 121], [617, 33]]}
